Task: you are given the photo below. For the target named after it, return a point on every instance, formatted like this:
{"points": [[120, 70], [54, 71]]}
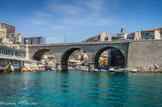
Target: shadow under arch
{"points": [[65, 58], [38, 55], [97, 55]]}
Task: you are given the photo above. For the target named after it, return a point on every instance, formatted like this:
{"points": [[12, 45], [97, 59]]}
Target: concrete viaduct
{"points": [[64, 50]]}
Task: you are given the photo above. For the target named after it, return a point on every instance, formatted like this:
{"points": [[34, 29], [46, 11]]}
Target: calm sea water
{"points": [[76, 88]]}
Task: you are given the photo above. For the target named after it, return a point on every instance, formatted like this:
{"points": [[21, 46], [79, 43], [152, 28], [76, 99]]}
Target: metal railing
{"points": [[12, 56]]}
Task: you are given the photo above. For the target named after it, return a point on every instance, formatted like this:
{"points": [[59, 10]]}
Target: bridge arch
{"points": [[38, 55], [121, 57], [65, 57]]}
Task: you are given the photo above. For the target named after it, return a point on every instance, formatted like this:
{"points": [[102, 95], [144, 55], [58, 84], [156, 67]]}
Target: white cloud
{"points": [[64, 9], [42, 14], [84, 12], [37, 21], [59, 27]]}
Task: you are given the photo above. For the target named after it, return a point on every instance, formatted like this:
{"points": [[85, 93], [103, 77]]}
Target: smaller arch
{"points": [[38, 55], [97, 56]]}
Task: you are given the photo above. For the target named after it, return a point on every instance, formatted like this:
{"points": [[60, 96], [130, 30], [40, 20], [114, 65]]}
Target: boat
{"points": [[125, 71], [96, 70], [70, 68], [103, 70], [85, 70], [111, 69], [134, 70], [53, 68]]}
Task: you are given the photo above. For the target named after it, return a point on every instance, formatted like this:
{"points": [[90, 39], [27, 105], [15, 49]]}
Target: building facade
{"points": [[122, 34], [34, 40], [101, 37], [134, 36], [155, 33], [7, 29], [8, 35]]}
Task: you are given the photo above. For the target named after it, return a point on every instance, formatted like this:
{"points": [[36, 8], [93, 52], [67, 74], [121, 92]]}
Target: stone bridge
{"points": [[63, 51]]}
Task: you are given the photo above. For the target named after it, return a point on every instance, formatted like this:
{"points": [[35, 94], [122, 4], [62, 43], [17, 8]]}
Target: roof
{"points": [[18, 34], [6, 23], [154, 29], [157, 28]]}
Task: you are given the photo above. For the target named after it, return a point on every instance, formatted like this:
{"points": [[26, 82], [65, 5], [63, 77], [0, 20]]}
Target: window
{"points": [[146, 34], [151, 33], [106, 38]]}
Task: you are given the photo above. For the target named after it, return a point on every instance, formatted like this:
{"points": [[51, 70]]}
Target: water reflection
{"points": [[117, 91]]}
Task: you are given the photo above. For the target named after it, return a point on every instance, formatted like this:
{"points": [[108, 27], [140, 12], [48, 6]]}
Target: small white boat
{"points": [[96, 70], [134, 70], [53, 68], [85, 70], [103, 70], [70, 68], [111, 69]]}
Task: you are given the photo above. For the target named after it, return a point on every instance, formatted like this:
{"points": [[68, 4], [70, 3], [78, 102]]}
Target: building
{"points": [[134, 36], [6, 29], [18, 38], [155, 33], [122, 34], [8, 35], [34, 40], [100, 37]]}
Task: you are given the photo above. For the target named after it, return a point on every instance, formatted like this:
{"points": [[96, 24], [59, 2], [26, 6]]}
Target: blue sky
{"points": [[79, 19]]}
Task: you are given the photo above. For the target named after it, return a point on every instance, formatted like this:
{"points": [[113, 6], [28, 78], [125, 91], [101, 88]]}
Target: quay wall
{"points": [[144, 54]]}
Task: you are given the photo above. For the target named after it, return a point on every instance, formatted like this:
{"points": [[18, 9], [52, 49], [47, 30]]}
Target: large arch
{"points": [[38, 55], [65, 58], [97, 55]]}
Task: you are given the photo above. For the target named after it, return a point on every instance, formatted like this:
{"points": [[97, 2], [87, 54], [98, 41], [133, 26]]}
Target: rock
{"points": [[151, 68], [156, 66]]}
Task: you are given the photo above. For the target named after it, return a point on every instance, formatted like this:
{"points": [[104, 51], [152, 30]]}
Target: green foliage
{"points": [[114, 38]]}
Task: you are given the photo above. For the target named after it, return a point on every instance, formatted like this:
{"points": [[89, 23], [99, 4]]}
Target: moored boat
{"points": [[125, 71], [111, 69], [52, 68], [103, 70], [85, 70], [96, 70], [134, 70]]}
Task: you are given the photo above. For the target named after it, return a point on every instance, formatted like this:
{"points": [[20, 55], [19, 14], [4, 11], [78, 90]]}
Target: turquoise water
{"points": [[80, 89]]}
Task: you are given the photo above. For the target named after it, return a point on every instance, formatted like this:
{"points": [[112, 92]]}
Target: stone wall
{"points": [[145, 54]]}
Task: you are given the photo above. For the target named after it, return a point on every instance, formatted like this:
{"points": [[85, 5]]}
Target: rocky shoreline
{"points": [[147, 69]]}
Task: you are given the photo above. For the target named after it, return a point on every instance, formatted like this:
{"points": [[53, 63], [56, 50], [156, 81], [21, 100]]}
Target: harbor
{"points": [[80, 53]]}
